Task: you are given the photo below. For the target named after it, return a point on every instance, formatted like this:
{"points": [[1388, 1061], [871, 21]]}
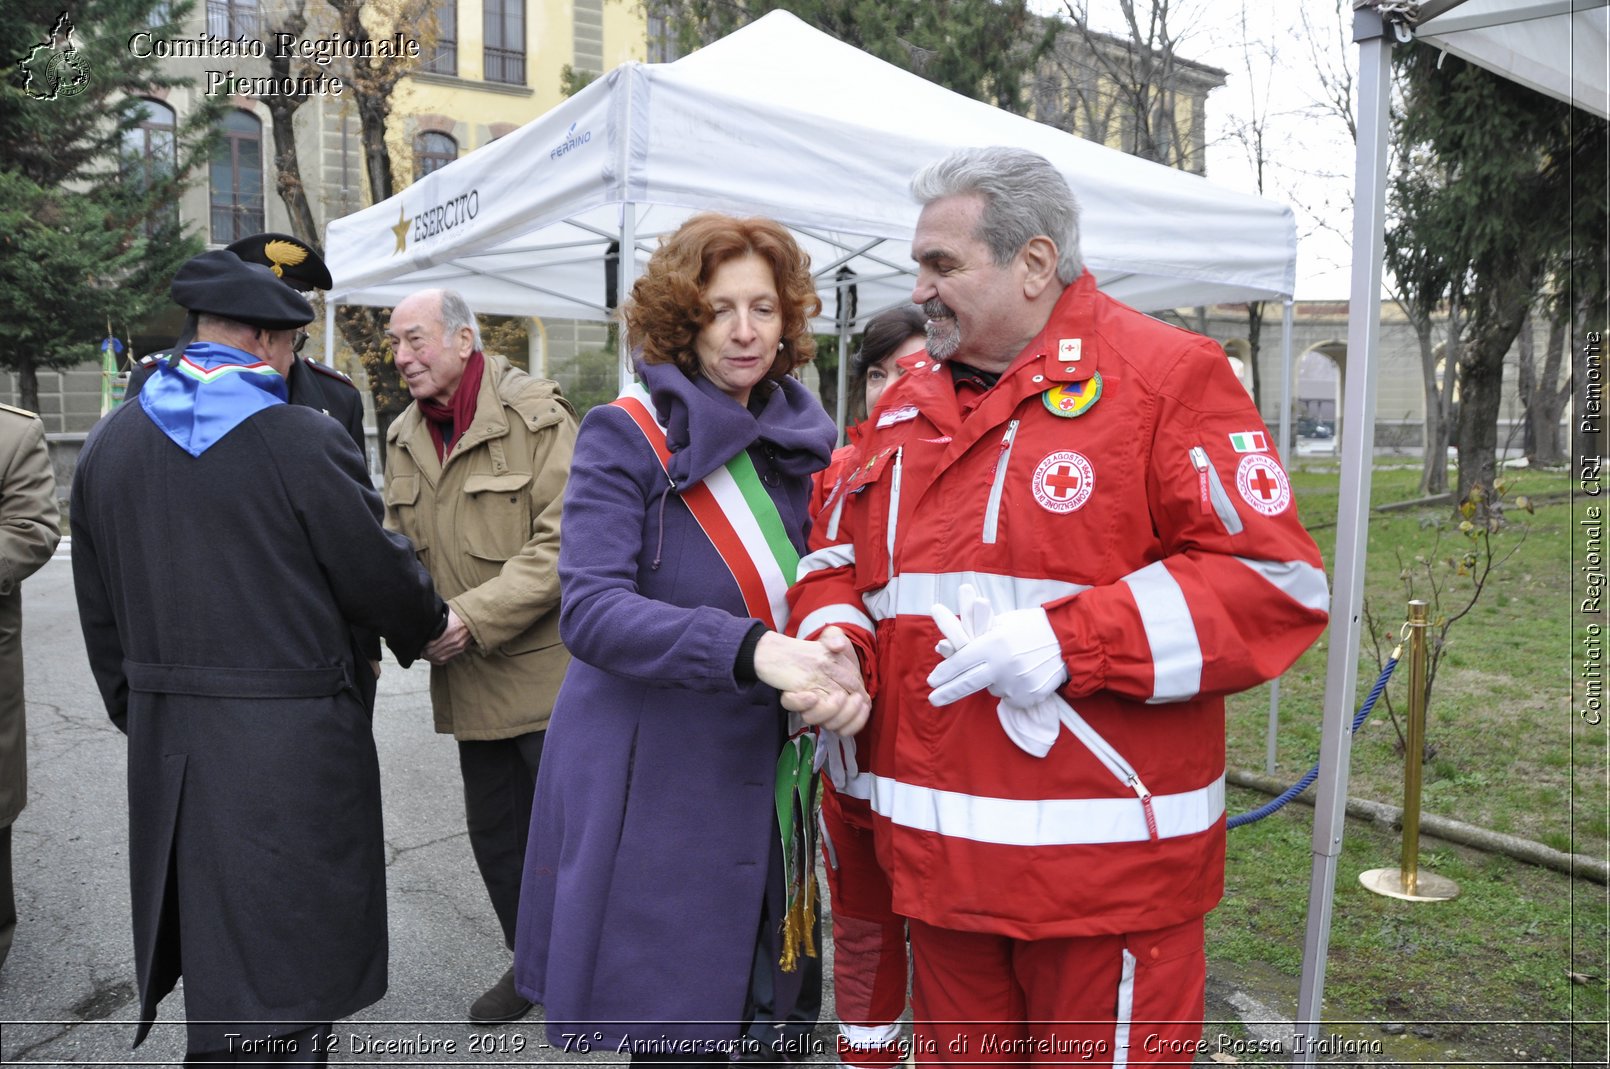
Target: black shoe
{"points": [[501, 1003]]}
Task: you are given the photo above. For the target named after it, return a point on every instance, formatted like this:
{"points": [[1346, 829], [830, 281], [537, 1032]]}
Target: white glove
{"points": [[836, 753], [1033, 728], [1018, 658], [959, 629]]}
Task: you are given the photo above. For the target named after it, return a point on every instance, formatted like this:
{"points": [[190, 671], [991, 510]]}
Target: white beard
{"points": [[944, 334]]}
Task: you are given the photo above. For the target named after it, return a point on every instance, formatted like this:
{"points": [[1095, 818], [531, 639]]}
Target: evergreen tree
{"points": [[89, 228], [1495, 222], [985, 49]]}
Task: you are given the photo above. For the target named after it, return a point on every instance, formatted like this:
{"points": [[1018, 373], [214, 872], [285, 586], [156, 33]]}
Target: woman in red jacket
{"points": [[869, 939], [890, 335]]}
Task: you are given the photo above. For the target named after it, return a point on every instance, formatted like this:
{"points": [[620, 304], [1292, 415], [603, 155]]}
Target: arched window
{"points": [[235, 178], [151, 156], [432, 152]]}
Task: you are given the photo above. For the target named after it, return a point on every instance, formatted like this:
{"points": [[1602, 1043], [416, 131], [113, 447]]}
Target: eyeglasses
{"points": [[299, 341]]}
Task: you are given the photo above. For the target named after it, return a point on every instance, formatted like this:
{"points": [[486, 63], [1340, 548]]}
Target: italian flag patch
{"points": [[1250, 442]]}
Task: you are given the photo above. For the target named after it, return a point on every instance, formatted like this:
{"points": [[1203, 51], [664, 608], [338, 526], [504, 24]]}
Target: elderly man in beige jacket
{"points": [[29, 530], [475, 477]]}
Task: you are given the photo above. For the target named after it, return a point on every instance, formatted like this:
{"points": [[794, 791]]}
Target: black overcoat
{"points": [[324, 389], [217, 595]]}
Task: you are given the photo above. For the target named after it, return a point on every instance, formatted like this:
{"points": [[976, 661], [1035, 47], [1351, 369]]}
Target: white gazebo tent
{"points": [[1555, 46], [782, 120]]}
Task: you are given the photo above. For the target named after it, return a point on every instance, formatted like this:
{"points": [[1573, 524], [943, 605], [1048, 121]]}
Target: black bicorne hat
{"points": [[296, 262]]}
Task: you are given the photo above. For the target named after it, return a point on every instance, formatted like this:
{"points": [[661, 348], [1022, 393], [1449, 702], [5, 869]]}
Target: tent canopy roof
{"points": [[1557, 47], [782, 120]]}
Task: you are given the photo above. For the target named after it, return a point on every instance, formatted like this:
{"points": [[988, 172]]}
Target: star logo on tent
{"points": [[401, 231]]}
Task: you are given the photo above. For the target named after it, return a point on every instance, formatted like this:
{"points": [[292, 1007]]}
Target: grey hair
{"points": [[1024, 196], [456, 315]]}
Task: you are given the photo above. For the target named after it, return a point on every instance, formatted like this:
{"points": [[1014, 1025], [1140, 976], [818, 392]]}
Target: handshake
{"points": [[820, 680], [1015, 656]]}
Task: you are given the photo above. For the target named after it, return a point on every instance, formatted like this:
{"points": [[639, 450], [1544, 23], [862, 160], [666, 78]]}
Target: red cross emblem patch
{"points": [[1064, 481], [1263, 484]]}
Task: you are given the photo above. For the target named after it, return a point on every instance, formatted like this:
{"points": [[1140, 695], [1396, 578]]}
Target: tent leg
{"points": [[1363, 332], [1271, 733], [627, 269], [844, 374]]}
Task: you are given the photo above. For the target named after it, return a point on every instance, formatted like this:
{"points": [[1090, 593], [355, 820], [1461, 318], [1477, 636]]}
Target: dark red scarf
{"points": [[447, 422]]}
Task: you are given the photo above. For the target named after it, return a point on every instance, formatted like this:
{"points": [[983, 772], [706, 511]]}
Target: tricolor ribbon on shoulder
{"points": [[736, 514]]}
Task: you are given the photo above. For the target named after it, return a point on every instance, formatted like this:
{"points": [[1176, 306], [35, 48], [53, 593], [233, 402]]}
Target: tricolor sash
{"points": [[742, 523], [737, 515]]}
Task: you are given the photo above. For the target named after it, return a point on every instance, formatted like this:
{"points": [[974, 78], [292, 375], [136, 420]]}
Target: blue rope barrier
{"points": [[1276, 804]]}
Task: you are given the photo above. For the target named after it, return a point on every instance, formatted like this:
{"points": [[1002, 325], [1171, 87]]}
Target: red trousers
{"points": [[1113, 1000], [869, 939]]}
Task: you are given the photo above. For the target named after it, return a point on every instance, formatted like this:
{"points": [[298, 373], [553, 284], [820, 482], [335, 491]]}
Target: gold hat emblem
{"points": [[283, 254]]}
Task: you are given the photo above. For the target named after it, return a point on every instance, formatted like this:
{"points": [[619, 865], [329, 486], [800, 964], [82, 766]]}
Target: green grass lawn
{"points": [[1511, 755]]}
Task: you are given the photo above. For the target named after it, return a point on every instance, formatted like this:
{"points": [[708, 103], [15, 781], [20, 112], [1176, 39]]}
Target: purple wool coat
{"points": [[653, 835]]}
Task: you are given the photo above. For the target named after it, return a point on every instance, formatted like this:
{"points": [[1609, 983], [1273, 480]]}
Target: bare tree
{"points": [[373, 82], [282, 108], [1128, 88], [1328, 49], [1259, 59]]}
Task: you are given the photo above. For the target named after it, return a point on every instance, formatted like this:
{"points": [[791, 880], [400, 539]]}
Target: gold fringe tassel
{"points": [[790, 957], [808, 921]]}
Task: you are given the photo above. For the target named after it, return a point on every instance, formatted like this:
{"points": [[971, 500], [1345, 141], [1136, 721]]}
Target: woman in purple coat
{"points": [[653, 888]]}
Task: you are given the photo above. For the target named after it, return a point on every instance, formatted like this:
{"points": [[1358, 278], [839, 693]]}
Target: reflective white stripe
{"points": [[827, 840], [1221, 500], [838, 510], [1126, 1013], [870, 1035], [1045, 822], [1176, 653], [831, 557], [915, 593], [858, 786], [894, 505], [992, 510], [1299, 581], [834, 614]]}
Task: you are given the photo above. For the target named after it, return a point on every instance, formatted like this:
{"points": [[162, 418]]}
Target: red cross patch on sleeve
{"points": [[1262, 484]]}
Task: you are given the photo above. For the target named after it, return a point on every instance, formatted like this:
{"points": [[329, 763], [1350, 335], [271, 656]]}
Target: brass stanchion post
{"points": [[1408, 882], [1414, 749]]}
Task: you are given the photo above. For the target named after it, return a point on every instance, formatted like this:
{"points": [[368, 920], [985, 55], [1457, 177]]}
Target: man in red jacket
{"points": [[1066, 539]]}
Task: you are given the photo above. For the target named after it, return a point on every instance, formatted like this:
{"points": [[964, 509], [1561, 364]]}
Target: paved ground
{"points": [[67, 994]]}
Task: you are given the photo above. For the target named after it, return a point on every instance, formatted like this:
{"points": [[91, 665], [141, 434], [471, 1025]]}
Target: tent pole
{"points": [[626, 268], [1285, 457], [1341, 679], [844, 372]]}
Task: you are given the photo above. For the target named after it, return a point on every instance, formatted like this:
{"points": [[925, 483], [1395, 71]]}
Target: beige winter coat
{"points": [[29, 531], [486, 526]]}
